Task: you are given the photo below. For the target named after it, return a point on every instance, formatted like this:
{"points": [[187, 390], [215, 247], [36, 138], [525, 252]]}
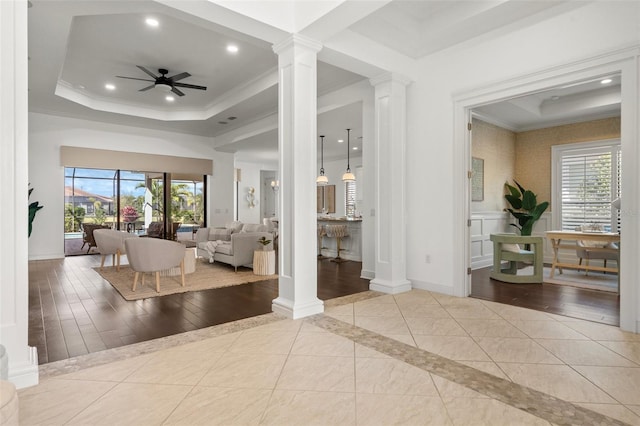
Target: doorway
{"points": [[588, 70]]}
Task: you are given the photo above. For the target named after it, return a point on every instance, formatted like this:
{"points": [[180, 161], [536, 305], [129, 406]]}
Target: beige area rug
{"points": [[578, 278], [206, 276]]}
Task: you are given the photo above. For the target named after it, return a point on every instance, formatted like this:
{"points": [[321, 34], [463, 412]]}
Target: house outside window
{"points": [[586, 178]]}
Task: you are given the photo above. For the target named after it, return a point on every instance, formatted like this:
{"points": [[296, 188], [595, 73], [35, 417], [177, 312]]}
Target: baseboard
{"points": [[25, 374], [390, 287], [482, 263], [285, 307], [367, 275], [47, 256], [436, 288]]}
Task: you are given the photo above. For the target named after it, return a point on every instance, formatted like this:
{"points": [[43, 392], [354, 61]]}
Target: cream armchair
{"points": [[111, 242], [509, 248], [154, 255]]}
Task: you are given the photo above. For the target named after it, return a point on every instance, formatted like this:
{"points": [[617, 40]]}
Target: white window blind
{"points": [[350, 198], [589, 179]]}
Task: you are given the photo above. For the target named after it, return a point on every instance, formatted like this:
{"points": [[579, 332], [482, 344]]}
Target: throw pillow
{"points": [[254, 227], [222, 234], [235, 226], [511, 247]]}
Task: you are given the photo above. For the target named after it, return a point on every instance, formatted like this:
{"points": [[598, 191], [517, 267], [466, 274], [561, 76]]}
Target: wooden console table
{"points": [[556, 238]]}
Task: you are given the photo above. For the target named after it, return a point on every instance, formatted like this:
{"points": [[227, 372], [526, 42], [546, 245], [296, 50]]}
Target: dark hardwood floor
{"points": [[73, 311], [591, 305]]}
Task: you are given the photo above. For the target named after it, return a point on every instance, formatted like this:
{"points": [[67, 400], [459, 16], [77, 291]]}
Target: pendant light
{"points": [[322, 180], [348, 176]]}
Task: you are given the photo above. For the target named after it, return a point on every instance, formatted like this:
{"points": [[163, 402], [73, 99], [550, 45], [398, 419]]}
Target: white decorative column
{"points": [[297, 116], [14, 182], [390, 211]]}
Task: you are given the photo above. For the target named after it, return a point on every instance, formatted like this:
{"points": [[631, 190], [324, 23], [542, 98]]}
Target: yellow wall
{"points": [[497, 147], [533, 150]]}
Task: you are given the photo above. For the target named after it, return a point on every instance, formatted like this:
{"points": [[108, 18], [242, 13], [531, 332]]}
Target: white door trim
{"points": [[624, 62]]}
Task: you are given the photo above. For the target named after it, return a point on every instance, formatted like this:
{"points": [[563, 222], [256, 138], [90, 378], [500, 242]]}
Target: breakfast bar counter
{"points": [[350, 247]]}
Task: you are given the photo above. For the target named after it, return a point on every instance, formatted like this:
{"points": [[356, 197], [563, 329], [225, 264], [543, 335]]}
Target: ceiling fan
{"points": [[164, 83]]}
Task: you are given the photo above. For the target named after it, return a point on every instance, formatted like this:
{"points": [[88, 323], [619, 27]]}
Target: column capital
{"points": [[390, 77], [297, 40]]}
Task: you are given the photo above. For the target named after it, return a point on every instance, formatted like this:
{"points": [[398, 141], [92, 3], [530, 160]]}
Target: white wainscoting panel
{"points": [[483, 224]]}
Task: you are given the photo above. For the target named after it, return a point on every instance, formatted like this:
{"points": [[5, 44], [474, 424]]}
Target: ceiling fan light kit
{"points": [[163, 83], [163, 87]]}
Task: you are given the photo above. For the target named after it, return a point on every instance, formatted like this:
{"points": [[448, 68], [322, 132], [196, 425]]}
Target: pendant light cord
{"points": [[348, 149], [321, 155]]}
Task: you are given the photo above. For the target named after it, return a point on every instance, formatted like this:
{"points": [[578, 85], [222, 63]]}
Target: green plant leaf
{"points": [[527, 228], [515, 202], [526, 210], [514, 191], [528, 200], [539, 209]]}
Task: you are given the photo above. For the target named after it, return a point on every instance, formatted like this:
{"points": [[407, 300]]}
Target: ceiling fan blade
{"points": [[147, 88], [147, 71], [190, 86], [180, 76], [177, 92], [133, 78]]}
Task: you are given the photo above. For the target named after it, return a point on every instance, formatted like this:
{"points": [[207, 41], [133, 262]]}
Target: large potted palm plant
{"points": [[524, 207], [33, 209]]}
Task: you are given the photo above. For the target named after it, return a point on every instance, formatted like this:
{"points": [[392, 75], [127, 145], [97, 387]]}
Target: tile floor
{"points": [[371, 359]]}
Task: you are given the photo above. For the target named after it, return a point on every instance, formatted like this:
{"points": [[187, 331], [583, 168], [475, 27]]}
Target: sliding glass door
{"points": [[131, 201]]}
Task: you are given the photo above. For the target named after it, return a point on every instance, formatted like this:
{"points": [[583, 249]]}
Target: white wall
{"points": [[431, 195], [251, 178], [47, 133]]}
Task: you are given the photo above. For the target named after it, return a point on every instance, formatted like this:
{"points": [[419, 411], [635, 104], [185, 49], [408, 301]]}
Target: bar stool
{"points": [[338, 232], [322, 232]]}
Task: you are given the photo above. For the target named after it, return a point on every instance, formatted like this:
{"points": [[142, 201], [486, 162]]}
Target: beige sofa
{"points": [[236, 242]]}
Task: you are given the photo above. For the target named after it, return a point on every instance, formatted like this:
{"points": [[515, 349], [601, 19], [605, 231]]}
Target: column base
{"points": [[284, 307], [25, 374], [390, 287]]}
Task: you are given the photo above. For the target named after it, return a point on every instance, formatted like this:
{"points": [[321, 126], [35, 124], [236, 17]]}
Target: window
{"points": [[350, 199], [586, 179]]}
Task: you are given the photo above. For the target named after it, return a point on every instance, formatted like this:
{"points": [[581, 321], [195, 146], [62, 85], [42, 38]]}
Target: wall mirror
{"points": [[326, 199]]}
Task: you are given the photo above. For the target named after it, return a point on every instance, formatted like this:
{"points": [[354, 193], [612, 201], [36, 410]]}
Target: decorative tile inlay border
{"points": [[352, 298], [95, 359], [547, 407]]}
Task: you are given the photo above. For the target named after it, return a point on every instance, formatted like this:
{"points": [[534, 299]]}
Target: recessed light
{"points": [[355, 148], [109, 86], [81, 87], [222, 122], [170, 98], [340, 140], [555, 98], [231, 118], [152, 22], [232, 48], [605, 81]]}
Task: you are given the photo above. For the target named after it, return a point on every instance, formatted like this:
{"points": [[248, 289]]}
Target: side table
{"points": [[264, 262], [189, 264]]}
